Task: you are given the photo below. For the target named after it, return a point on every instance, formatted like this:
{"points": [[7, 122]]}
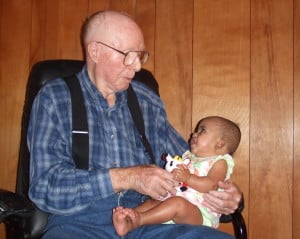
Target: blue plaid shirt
{"points": [[56, 186]]}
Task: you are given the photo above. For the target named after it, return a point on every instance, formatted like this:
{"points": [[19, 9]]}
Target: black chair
{"points": [[21, 218]]}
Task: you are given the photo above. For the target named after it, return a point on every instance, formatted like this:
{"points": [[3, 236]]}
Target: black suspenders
{"points": [[80, 130], [80, 136], [136, 114]]}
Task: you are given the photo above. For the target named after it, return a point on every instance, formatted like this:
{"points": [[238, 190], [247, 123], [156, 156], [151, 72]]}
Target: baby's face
{"points": [[204, 140]]}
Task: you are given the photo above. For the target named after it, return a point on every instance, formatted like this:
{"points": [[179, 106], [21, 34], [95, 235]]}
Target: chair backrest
{"points": [[40, 73]]}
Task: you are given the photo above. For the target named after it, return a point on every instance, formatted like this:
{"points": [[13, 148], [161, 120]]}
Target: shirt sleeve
{"points": [[169, 140], [163, 137], [56, 186], [177, 145]]}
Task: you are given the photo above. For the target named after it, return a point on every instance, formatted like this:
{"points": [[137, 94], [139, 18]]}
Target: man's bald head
{"points": [[108, 26]]}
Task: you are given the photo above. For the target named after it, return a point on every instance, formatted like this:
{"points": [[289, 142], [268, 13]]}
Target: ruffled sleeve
{"points": [[230, 163]]}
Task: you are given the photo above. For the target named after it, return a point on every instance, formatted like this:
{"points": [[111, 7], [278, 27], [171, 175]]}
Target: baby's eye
{"points": [[201, 130]]}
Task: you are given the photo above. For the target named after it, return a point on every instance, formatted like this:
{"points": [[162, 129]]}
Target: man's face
{"points": [[114, 71]]}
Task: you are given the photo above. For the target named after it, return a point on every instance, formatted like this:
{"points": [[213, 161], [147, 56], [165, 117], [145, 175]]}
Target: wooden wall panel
{"points": [[145, 17], [127, 6], [96, 5], [38, 37], [173, 60], [296, 166], [221, 72], [14, 44], [64, 20], [271, 151], [14, 61]]}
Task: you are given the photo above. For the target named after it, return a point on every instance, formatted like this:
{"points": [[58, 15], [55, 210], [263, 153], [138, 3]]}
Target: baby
{"points": [[211, 147]]}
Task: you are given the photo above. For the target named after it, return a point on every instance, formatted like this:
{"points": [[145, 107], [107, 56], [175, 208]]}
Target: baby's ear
{"points": [[220, 144]]}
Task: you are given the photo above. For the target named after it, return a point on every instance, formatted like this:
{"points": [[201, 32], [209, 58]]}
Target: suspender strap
{"points": [[80, 134], [138, 120]]}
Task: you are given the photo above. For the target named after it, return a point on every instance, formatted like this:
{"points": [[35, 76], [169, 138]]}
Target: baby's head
{"points": [[215, 135]]}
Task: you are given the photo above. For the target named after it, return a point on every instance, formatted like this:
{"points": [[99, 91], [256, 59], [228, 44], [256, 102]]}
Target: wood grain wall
{"points": [[239, 59]]}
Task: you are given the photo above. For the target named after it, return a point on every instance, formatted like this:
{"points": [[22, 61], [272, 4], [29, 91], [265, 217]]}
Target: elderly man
{"points": [[120, 171]]}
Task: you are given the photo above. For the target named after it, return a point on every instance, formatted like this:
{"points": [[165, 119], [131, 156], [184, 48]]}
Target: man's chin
{"points": [[124, 87]]}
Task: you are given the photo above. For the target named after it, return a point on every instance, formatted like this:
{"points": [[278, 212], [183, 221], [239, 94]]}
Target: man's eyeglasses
{"points": [[130, 56]]}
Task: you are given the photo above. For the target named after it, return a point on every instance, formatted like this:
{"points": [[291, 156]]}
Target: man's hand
{"points": [[149, 179], [225, 201]]}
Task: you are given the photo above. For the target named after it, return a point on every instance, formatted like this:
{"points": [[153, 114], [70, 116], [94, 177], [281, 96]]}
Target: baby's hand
{"points": [[181, 173]]}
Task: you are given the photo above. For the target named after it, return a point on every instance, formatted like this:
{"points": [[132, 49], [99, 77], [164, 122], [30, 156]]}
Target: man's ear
{"points": [[93, 51]]}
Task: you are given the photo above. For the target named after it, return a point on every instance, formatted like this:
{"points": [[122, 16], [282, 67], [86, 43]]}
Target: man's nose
{"points": [[136, 65]]}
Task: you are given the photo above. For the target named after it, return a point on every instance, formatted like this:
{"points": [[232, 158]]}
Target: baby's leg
{"points": [[175, 208], [126, 219], [147, 205]]}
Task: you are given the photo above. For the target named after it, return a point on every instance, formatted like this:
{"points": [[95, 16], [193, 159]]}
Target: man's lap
{"points": [[95, 222], [175, 231]]}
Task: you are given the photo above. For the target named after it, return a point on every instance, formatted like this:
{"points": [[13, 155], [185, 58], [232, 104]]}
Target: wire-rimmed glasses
{"points": [[130, 56]]}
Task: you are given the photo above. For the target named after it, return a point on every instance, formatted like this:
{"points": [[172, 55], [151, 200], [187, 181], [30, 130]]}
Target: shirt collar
{"points": [[90, 88]]}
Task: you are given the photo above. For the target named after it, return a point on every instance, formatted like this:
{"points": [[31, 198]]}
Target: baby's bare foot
{"points": [[119, 221], [125, 220]]}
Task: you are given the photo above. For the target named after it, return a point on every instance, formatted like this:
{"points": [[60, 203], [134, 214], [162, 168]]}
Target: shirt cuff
{"points": [[101, 183]]}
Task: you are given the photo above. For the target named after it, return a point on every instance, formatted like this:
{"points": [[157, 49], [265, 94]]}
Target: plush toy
{"points": [[171, 163]]}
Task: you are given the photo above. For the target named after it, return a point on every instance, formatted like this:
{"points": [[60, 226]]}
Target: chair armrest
{"points": [[239, 225], [21, 218], [228, 218], [237, 219], [12, 204]]}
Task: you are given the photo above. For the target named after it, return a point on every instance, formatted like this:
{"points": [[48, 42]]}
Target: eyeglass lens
{"points": [[132, 55]]}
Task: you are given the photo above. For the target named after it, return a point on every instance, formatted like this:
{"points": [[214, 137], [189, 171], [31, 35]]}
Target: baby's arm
{"points": [[202, 183]]}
